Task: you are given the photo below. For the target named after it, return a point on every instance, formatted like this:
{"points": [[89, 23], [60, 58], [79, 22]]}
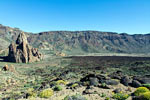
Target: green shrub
{"points": [[146, 85], [107, 98], [145, 96], [61, 82], [102, 95], [140, 90], [57, 88], [66, 98], [11, 99], [27, 85], [46, 93], [74, 85], [14, 94], [75, 97], [31, 93], [103, 84], [120, 96]]}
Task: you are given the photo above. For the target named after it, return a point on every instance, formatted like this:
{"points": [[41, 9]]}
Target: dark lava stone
{"points": [[126, 80], [111, 82], [94, 81], [136, 84], [116, 75], [118, 90]]}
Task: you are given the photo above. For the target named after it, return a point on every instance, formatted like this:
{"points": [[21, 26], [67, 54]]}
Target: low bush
{"points": [[103, 84], [140, 91], [75, 97], [31, 93], [107, 98], [74, 85], [61, 82], [46, 93], [120, 96], [145, 96], [57, 88], [102, 95]]}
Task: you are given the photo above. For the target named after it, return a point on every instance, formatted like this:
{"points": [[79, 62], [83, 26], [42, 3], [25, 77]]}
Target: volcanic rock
{"points": [[94, 81], [126, 80], [111, 82], [117, 90], [5, 68], [136, 84], [21, 52]]}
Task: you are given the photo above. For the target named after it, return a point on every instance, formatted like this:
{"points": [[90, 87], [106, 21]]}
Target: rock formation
{"points": [[21, 52], [10, 68], [5, 68]]}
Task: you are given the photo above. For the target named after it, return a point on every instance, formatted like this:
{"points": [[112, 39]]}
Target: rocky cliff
{"points": [[92, 42], [21, 52]]}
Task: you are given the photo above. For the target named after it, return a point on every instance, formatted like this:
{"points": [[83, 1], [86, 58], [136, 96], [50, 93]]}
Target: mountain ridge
{"points": [[75, 42], [1, 25]]}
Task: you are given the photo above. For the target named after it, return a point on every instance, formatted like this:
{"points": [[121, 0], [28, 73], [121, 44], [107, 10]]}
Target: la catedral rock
{"points": [[22, 52]]}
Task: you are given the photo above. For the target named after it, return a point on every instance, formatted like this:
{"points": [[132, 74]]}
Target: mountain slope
{"points": [[8, 35], [92, 41], [82, 41]]}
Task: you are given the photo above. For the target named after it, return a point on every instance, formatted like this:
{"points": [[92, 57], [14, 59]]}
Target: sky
{"points": [[122, 16]]}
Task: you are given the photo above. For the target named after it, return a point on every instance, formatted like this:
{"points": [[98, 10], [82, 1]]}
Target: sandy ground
{"points": [[60, 95]]}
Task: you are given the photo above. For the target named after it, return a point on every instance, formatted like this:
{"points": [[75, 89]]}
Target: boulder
{"points": [[126, 80], [116, 75], [105, 86], [112, 82], [10, 68], [102, 78], [90, 79], [86, 78], [136, 84], [5, 68], [22, 52], [118, 90], [89, 91], [94, 81]]}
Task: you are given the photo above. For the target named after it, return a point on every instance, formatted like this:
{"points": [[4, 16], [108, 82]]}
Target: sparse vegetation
{"points": [[146, 85], [75, 97], [140, 91], [102, 95], [47, 93], [75, 85], [31, 93], [59, 82], [145, 96], [58, 88], [63, 76], [120, 96]]}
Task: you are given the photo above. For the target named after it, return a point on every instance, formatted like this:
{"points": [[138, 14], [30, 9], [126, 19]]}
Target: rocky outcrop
{"points": [[5, 68], [10, 68], [21, 52]]}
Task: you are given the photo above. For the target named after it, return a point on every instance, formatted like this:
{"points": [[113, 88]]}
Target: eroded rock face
{"points": [[21, 52]]}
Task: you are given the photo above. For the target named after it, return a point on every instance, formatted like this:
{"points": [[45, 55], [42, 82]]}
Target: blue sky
{"points": [[130, 16]]}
